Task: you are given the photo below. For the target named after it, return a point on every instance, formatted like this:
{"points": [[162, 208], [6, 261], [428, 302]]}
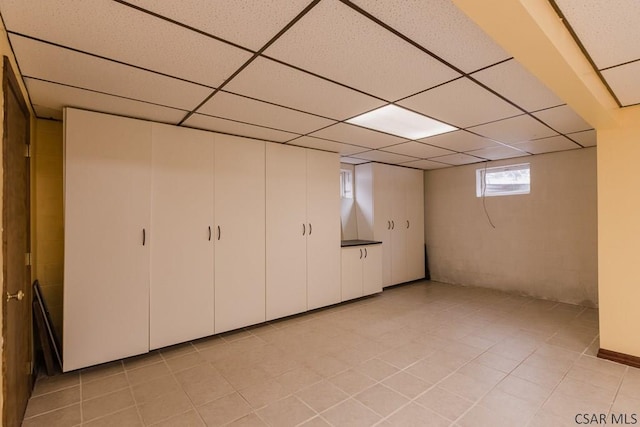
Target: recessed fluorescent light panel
{"points": [[401, 122]]}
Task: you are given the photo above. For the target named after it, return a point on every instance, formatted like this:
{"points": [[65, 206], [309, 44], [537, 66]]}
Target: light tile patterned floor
{"points": [[424, 354]]}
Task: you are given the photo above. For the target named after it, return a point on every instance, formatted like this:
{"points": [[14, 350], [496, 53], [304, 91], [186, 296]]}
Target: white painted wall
{"points": [[544, 244]]}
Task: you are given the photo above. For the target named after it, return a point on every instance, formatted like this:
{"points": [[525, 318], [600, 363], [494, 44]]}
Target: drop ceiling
{"points": [[294, 72]]}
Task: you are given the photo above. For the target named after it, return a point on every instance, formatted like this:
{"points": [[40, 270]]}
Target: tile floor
{"points": [[424, 354]]}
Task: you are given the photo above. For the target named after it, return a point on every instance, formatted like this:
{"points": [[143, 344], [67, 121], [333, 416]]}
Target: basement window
{"points": [[503, 180], [346, 184]]}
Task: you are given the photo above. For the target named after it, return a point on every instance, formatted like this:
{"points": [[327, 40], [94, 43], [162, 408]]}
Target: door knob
{"points": [[19, 295]]}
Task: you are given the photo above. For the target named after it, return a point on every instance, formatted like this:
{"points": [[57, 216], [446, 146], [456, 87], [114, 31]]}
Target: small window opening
{"points": [[503, 180]]}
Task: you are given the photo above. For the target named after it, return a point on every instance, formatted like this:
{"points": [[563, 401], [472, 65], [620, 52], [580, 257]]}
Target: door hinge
{"points": [[27, 259], [27, 150]]}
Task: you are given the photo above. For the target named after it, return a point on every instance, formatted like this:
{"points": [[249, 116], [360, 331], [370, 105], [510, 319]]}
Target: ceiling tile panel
{"points": [[235, 107], [272, 82], [417, 149], [248, 23], [586, 138], [515, 129], [49, 99], [497, 153], [350, 134], [547, 145], [514, 82], [439, 26], [625, 83], [384, 157], [200, 121], [353, 160], [351, 49], [459, 141], [563, 119], [110, 29], [457, 159], [451, 103], [608, 30], [323, 144], [59, 65], [425, 164]]}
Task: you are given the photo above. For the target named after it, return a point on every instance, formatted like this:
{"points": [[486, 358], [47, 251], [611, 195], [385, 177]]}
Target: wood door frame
{"points": [[10, 83]]}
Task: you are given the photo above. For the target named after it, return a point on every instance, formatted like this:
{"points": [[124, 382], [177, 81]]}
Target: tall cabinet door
{"points": [[107, 235], [415, 224], [239, 233], [287, 229], [323, 240], [181, 304], [382, 207], [397, 177]]}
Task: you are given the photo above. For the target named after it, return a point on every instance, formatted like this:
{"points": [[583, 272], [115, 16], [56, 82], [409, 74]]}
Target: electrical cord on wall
{"points": [[484, 198]]}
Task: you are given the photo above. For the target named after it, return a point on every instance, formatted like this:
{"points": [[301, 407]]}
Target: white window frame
{"points": [[346, 183], [483, 191]]}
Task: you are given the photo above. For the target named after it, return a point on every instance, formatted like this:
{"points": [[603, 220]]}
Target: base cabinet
{"points": [[361, 271]]}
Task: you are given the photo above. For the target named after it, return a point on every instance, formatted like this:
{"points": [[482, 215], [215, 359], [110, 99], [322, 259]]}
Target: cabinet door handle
{"points": [[393, 225], [365, 252], [360, 253], [209, 233], [407, 223], [388, 225], [144, 236], [310, 229], [304, 229], [219, 233]]}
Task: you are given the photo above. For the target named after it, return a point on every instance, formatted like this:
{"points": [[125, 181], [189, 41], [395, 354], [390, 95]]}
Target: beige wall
{"points": [[544, 243], [47, 211], [619, 233]]}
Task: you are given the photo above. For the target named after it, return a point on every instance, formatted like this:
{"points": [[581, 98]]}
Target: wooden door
{"points": [[286, 230], [323, 237], [107, 238], [16, 325], [240, 238], [181, 290]]}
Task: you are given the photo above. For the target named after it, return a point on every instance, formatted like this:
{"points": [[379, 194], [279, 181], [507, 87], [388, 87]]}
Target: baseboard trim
{"points": [[614, 356]]}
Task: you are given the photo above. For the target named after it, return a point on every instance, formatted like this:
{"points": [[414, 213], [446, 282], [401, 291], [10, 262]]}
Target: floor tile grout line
{"points": [[615, 396]]}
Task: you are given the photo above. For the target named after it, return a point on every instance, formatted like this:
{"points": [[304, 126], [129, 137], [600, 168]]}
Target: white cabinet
{"points": [[107, 188], [303, 230], [323, 241], [181, 298], [361, 271], [372, 270], [239, 232], [389, 208], [287, 228]]}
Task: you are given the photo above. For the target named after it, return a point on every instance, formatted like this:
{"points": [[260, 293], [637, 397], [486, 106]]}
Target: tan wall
{"points": [[619, 234], [48, 220], [544, 243]]}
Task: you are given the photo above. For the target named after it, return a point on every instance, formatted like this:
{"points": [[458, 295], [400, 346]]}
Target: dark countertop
{"points": [[358, 242]]}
